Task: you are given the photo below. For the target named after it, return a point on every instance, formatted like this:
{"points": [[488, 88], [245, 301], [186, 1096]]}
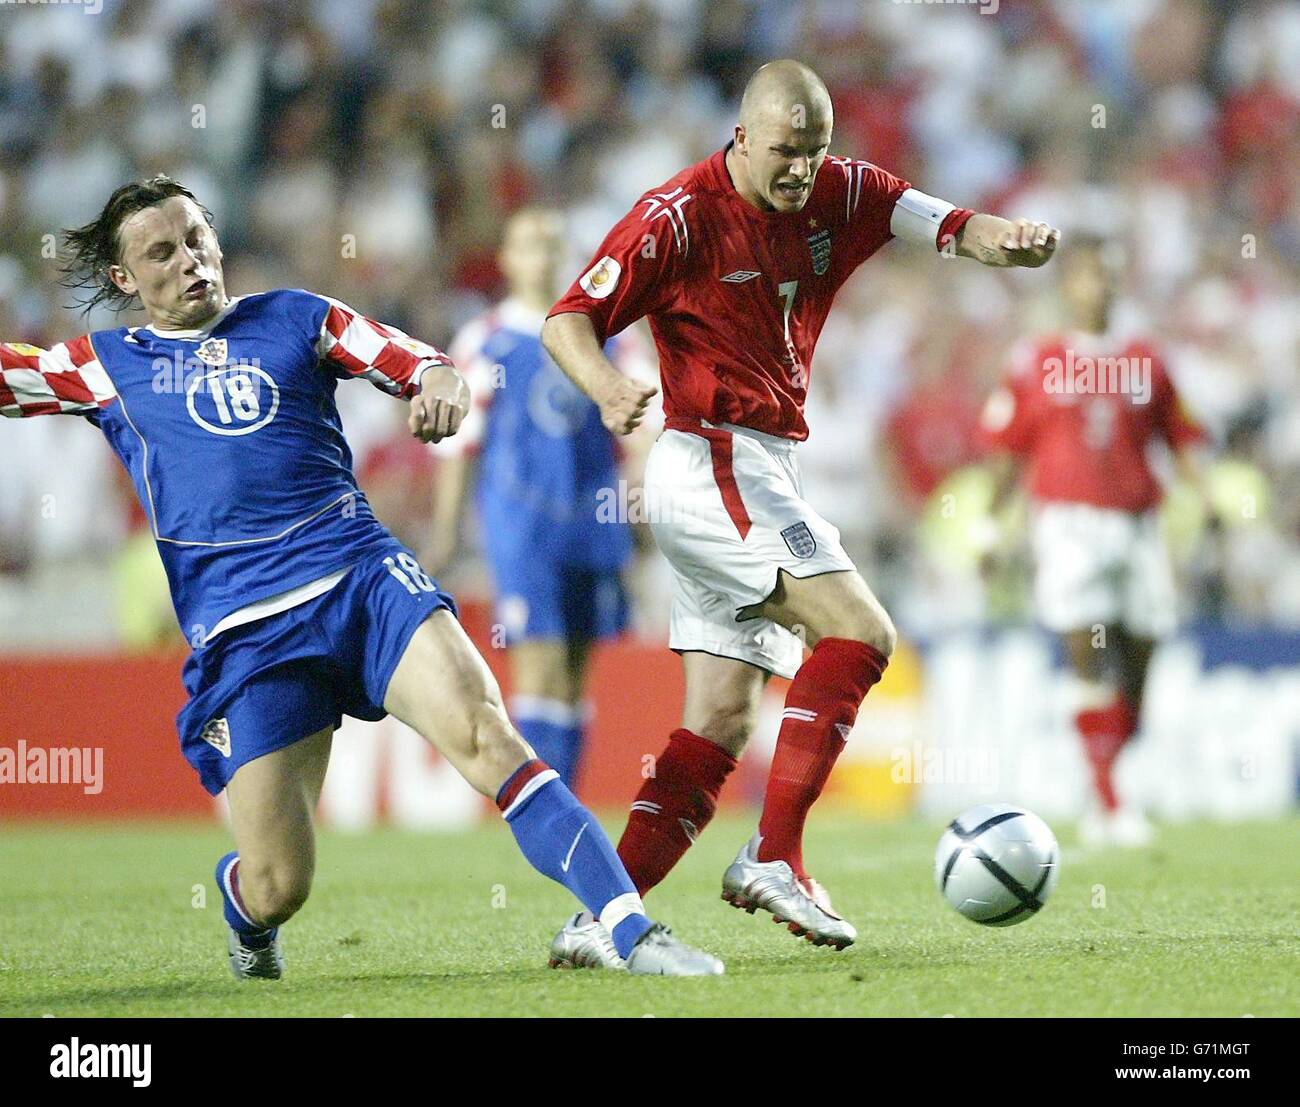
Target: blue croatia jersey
{"points": [[548, 483], [232, 437]]}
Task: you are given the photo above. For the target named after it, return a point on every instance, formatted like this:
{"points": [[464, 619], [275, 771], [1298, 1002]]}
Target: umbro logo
{"points": [[740, 276]]}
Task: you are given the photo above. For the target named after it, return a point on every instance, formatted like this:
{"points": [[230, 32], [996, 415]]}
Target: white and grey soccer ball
{"points": [[997, 864]]}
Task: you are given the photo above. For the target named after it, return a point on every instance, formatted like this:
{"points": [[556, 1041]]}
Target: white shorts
{"points": [[726, 507], [1095, 565]]}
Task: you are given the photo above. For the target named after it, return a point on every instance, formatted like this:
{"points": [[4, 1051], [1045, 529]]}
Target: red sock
{"points": [[673, 807], [819, 711], [1104, 731]]}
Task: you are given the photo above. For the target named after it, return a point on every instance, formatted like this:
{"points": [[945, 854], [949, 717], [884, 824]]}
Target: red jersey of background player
{"points": [[1082, 412], [736, 296]]}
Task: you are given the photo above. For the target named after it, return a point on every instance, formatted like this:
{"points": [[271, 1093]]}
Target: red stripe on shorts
{"points": [[723, 472]]}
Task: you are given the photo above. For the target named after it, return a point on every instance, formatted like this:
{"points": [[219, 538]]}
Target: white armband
{"points": [[917, 217]]}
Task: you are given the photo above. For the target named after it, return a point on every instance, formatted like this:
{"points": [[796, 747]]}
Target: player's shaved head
{"points": [[785, 90], [782, 136]]}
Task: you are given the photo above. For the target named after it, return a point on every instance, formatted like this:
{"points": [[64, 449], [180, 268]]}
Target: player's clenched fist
{"points": [[440, 408], [1028, 243], [623, 404]]}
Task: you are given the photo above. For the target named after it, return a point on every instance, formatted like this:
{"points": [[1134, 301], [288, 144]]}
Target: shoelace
{"points": [[603, 940], [608, 946], [251, 958]]}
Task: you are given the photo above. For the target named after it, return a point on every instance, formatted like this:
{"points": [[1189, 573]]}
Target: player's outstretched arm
{"points": [[1005, 243], [571, 341], [353, 345], [64, 380]]}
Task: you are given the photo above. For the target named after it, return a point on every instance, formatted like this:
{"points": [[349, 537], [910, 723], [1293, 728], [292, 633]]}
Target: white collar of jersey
{"points": [[515, 315], [200, 332]]}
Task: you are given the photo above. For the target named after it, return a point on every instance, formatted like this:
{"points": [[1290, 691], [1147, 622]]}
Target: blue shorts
{"points": [[539, 599], [262, 686]]}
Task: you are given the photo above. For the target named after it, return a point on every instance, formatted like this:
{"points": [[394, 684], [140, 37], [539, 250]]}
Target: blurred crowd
{"points": [[371, 149]]}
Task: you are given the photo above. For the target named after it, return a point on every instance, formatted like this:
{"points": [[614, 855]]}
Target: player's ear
{"points": [[741, 141], [121, 277]]}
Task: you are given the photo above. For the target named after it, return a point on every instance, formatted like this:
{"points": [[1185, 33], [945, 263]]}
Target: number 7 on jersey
{"points": [[787, 290]]}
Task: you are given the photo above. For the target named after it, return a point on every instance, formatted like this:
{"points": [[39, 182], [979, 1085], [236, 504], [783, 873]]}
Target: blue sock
{"points": [[563, 840], [252, 935], [555, 732]]}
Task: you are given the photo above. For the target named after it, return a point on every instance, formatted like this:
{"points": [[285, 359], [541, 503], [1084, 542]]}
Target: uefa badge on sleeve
{"points": [[601, 279]]}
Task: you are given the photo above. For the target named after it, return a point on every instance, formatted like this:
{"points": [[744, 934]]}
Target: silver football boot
{"points": [[256, 964], [581, 945], [659, 953], [803, 906]]}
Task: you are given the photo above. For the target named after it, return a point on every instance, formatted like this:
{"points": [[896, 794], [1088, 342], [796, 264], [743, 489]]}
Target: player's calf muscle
{"points": [[725, 717], [722, 698], [496, 750], [728, 729]]}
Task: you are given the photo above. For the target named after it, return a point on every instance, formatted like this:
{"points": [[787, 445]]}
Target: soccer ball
{"points": [[997, 864]]}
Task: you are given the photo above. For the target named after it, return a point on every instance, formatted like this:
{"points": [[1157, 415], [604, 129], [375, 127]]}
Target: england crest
{"points": [[213, 351], [820, 246], [800, 540]]}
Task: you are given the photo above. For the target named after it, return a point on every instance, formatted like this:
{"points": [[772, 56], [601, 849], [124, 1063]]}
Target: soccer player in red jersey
{"points": [[735, 261], [1077, 413]]}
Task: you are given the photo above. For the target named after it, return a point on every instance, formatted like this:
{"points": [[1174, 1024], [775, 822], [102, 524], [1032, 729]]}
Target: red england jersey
{"points": [[1081, 412], [735, 296]]}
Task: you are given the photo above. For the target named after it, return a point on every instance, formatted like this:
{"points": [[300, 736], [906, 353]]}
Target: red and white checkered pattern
{"points": [[383, 355], [65, 380]]}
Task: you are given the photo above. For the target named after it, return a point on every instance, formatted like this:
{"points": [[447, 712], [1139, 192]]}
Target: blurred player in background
{"points": [[736, 261], [1075, 418], [300, 607], [546, 467]]}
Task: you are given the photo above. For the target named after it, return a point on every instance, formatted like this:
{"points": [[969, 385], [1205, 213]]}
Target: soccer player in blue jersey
{"points": [[299, 605], [545, 469]]}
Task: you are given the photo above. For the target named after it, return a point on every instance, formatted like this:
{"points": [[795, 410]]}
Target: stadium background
{"points": [[371, 150]]}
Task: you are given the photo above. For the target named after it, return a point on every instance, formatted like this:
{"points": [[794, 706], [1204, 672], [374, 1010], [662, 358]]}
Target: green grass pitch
{"points": [[107, 921]]}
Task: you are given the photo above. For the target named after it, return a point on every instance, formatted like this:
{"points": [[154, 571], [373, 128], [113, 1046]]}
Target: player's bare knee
{"points": [[869, 624], [882, 634], [274, 893]]}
